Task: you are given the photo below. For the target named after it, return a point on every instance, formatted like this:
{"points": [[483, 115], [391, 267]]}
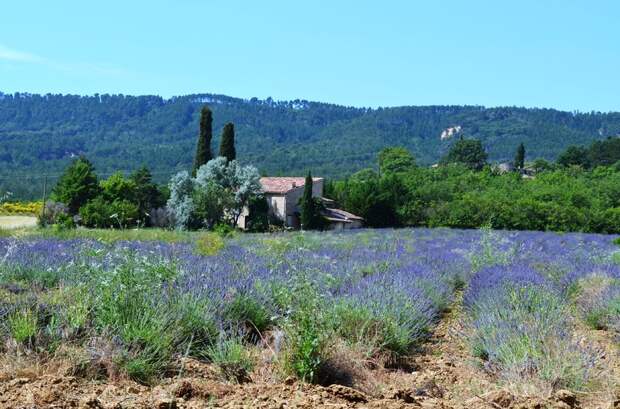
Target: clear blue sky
{"points": [[543, 53]]}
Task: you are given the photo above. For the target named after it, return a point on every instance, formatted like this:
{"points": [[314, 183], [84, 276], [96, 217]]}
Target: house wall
{"points": [[355, 224], [294, 195], [336, 226], [284, 206], [242, 221], [339, 226], [317, 188], [277, 206], [292, 200]]}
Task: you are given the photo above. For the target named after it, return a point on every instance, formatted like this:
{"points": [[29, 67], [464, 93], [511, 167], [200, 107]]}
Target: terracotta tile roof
{"points": [[281, 185]]}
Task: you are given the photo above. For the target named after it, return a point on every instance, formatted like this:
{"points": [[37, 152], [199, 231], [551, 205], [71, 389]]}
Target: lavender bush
{"points": [[381, 290]]}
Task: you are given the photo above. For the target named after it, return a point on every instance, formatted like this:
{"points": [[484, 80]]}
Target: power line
{"points": [[23, 176]]}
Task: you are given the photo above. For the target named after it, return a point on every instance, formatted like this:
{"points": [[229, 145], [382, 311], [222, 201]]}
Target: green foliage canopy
{"points": [[468, 152], [395, 160], [454, 195], [77, 185]]}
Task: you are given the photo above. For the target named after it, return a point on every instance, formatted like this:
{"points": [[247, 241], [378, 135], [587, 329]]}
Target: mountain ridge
{"points": [[40, 134]]}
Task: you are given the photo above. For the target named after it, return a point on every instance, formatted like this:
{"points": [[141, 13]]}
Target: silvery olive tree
{"points": [[181, 203], [237, 184], [220, 192]]}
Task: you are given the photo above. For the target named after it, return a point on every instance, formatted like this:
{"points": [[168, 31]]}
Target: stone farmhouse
{"points": [[283, 195]]}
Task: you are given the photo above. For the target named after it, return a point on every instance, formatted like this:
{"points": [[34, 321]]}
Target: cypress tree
{"points": [[307, 205], [203, 148], [227, 143], [520, 157]]}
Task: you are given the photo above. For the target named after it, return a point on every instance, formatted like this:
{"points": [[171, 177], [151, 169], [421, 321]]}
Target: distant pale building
{"points": [[283, 195], [505, 167]]}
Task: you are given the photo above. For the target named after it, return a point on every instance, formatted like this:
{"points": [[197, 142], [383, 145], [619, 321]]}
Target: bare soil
{"points": [[17, 222], [442, 375]]}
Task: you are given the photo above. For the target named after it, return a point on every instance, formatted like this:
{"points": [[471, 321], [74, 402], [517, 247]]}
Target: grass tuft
{"points": [[23, 326], [232, 358]]}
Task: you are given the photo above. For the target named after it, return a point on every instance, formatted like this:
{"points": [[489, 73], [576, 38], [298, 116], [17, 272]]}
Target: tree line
{"points": [[576, 193], [217, 191]]}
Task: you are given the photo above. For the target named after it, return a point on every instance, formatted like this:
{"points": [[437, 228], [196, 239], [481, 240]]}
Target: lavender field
{"points": [[526, 302]]}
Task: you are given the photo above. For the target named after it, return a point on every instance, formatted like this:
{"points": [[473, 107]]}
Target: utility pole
{"points": [[44, 197]]}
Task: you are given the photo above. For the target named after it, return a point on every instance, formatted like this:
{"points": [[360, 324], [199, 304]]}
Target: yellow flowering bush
{"points": [[33, 208]]}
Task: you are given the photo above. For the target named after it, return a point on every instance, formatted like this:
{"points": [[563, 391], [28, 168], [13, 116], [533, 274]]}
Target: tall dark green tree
{"points": [[575, 156], [307, 204], [520, 157], [77, 185], [311, 217], [146, 194], [468, 152], [227, 143], [203, 148]]}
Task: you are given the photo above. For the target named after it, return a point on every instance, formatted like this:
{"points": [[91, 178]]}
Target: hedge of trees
{"points": [[118, 201], [560, 196], [215, 194]]}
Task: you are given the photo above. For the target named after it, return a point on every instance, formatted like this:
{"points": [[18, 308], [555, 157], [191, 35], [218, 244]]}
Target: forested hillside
{"points": [[40, 134]]}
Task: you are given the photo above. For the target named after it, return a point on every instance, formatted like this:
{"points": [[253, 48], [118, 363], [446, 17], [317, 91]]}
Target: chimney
{"points": [[294, 185]]}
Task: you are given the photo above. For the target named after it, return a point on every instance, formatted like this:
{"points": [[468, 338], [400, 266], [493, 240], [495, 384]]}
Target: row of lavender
{"points": [[525, 301], [379, 290]]}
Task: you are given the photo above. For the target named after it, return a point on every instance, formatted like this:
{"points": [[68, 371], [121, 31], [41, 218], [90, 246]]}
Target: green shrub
{"points": [[209, 244], [195, 325], [77, 185], [143, 366], [23, 325], [307, 332], [123, 214], [232, 359], [357, 325], [596, 318], [224, 230], [42, 278], [246, 310], [306, 340], [101, 213], [129, 305], [95, 213], [71, 311], [64, 221]]}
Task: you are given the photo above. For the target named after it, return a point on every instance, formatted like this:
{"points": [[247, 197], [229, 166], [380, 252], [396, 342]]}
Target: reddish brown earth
{"points": [[443, 375]]}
